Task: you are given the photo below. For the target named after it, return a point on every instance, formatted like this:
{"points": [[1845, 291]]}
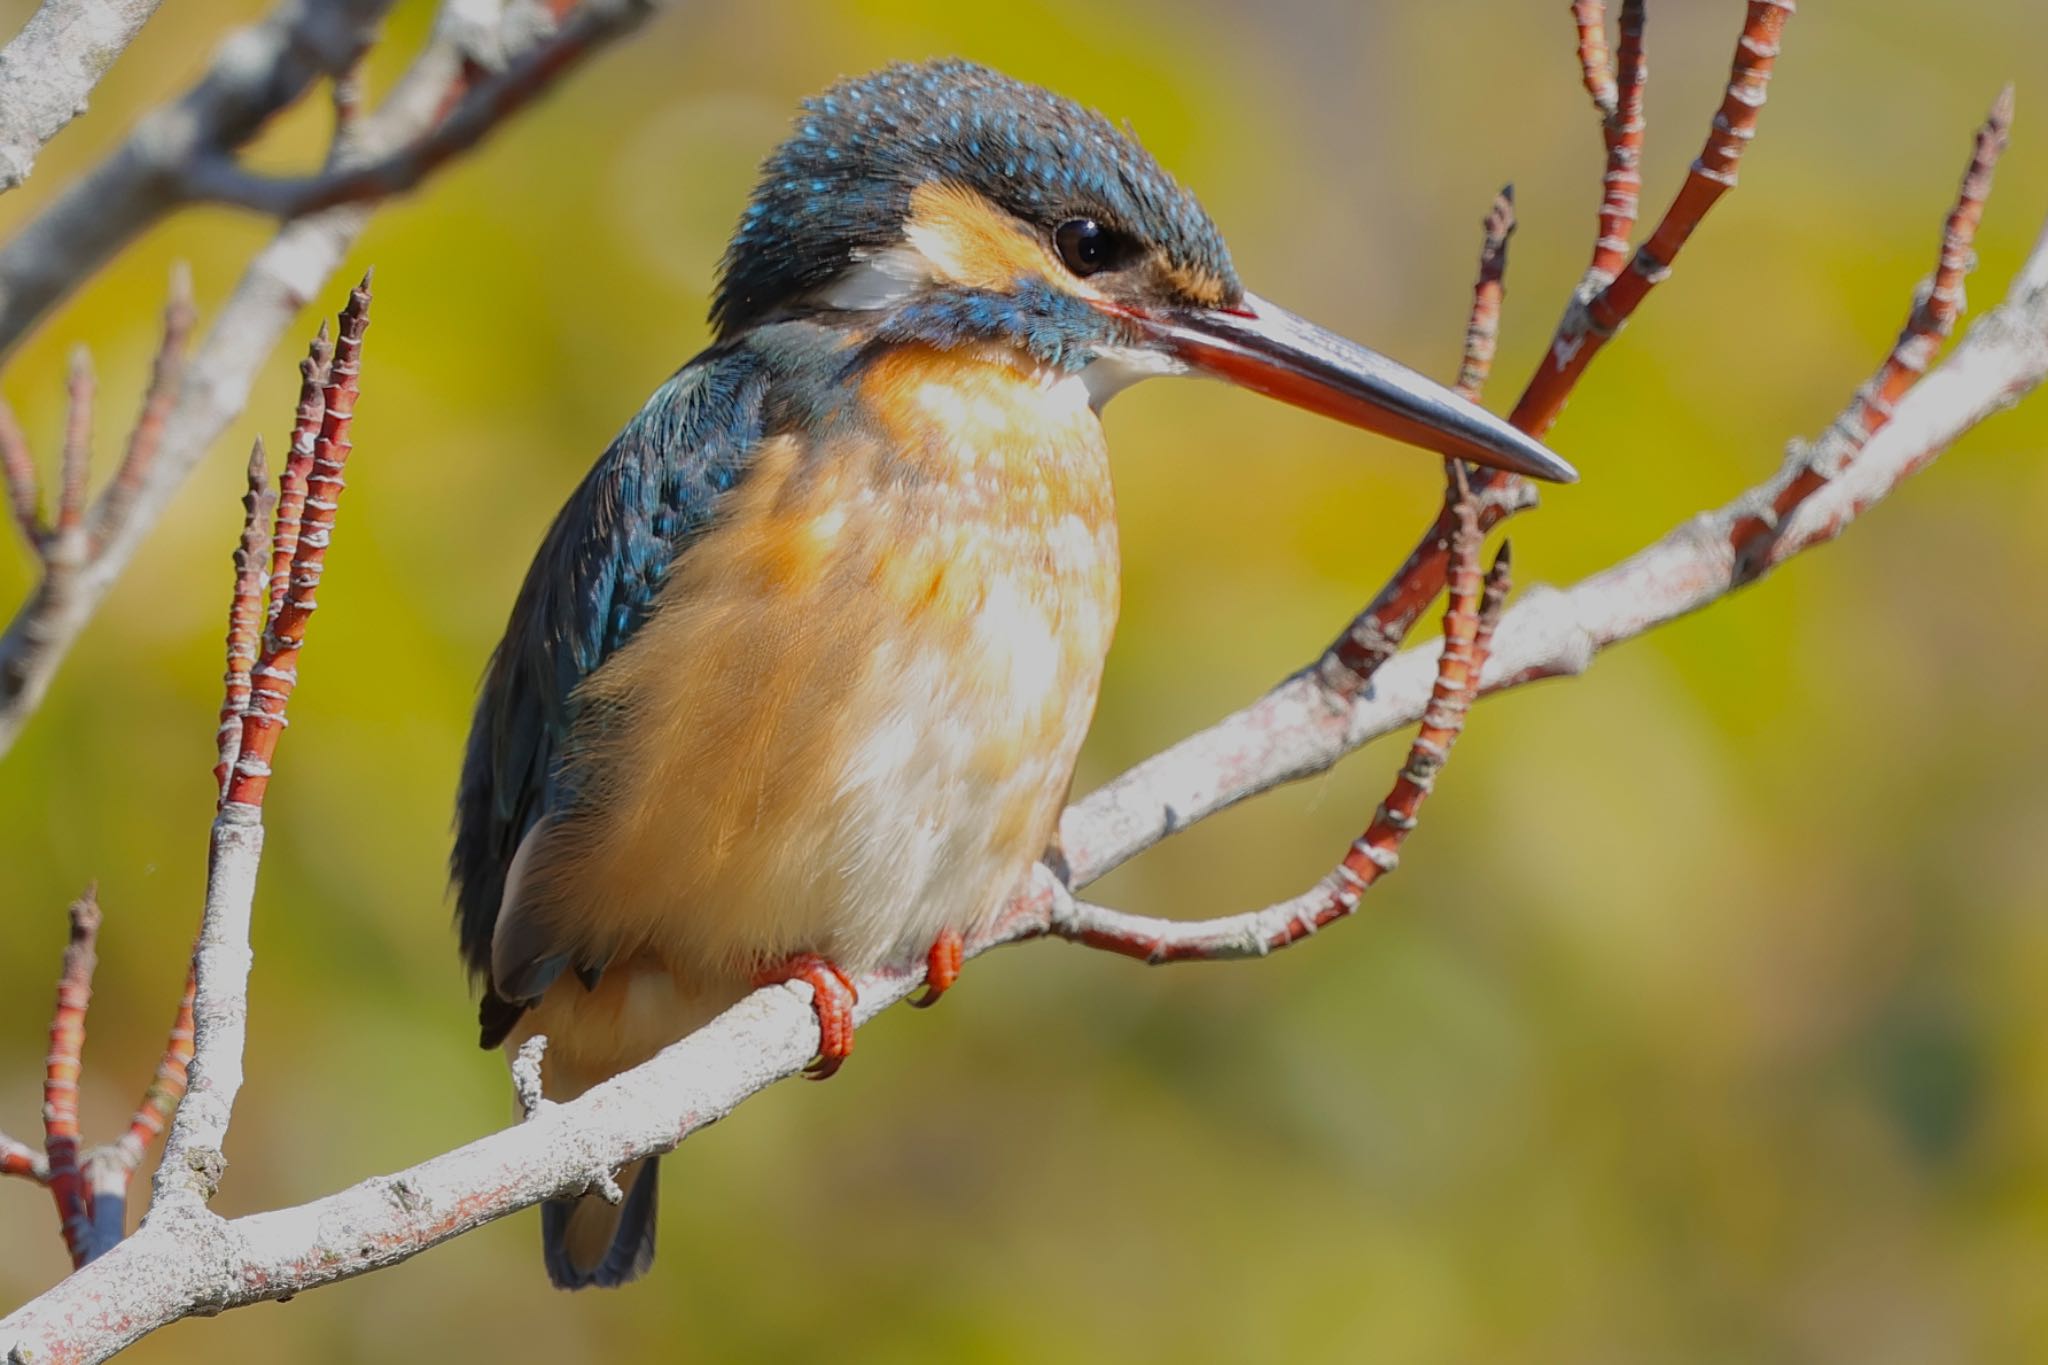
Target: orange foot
{"points": [[832, 996], [941, 967]]}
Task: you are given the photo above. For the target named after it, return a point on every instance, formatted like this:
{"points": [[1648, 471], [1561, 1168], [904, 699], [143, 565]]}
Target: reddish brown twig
{"points": [[276, 669], [167, 373], [1586, 329], [1596, 67], [1621, 126], [1471, 611], [1928, 325], [1377, 632], [160, 1100], [60, 1076], [247, 611], [75, 536], [291, 479], [90, 1188], [75, 464], [24, 492], [1482, 329]]}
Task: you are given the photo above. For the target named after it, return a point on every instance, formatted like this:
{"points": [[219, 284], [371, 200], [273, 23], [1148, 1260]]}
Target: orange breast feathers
{"points": [[853, 717]]}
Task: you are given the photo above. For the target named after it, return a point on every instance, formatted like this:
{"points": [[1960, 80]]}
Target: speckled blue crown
{"points": [[842, 182]]}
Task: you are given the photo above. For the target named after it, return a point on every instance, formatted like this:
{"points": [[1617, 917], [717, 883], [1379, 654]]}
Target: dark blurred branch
{"points": [[50, 68], [485, 106], [257, 73], [445, 103]]}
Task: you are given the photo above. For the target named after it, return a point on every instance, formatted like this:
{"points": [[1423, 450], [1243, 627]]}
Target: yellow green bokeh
{"points": [[1705, 1020]]}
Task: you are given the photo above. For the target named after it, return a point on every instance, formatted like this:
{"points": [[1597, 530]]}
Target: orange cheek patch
{"points": [[1202, 286], [973, 243]]}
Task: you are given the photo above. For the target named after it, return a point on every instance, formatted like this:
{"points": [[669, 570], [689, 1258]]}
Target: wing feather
{"points": [[591, 585]]}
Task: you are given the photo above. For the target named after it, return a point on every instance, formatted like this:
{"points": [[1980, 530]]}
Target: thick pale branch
{"points": [[50, 68], [189, 1260], [1301, 728], [254, 74]]}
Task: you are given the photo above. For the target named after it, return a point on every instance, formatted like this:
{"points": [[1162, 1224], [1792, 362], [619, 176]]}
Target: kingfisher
{"points": [[796, 682]]}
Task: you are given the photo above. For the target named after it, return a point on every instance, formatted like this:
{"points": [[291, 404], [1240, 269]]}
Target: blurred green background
{"points": [[1706, 1018]]}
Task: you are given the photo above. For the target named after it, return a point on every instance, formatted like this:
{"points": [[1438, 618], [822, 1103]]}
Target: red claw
{"points": [[941, 967], [832, 997]]}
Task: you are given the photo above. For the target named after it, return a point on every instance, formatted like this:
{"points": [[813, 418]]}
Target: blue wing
{"points": [[590, 587]]}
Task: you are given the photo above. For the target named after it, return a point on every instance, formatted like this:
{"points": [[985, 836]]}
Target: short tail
{"points": [[589, 1242]]}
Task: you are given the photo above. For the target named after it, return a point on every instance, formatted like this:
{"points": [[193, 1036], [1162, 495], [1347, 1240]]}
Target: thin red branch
{"points": [[1471, 611], [145, 438], [276, 670], [1596, 67], [291, 479], [1622, 127], [160, 1100], [1713, 174], [1482, 329], [1376, 634], [60, 1076], [246, 612], [76, 463], [24, 492], [1928, 325]]}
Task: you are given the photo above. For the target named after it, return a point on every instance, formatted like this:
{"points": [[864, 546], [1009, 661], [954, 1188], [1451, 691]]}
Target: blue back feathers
{"points": [[841, 184], [592, 583]]}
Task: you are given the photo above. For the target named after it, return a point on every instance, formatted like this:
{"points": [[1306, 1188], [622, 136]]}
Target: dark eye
{"points": [[1087, 246]]}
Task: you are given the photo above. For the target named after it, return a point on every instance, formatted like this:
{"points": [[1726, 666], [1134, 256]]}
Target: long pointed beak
{"points": [[1269, 350]]}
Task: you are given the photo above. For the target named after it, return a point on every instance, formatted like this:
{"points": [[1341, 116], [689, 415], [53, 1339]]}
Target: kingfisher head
{"points": [[949, 205]]}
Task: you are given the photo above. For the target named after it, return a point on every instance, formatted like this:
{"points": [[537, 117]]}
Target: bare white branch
{"points": [[255, 73], [517, 78], [193, 1161], [186, 1259], [50, 68]]}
